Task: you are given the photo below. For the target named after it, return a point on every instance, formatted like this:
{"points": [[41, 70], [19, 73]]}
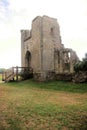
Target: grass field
{"points": [[29, 105], [0, 77]]}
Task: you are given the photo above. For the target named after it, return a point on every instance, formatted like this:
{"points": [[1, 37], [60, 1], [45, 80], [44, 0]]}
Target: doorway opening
{"points": [[28, 59]]}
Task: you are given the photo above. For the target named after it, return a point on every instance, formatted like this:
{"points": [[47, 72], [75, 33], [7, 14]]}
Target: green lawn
{"points": [[30, 105]]}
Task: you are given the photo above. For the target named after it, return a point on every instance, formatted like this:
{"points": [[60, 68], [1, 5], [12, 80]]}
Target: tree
{"points": [[81, 65], [2, 70]]}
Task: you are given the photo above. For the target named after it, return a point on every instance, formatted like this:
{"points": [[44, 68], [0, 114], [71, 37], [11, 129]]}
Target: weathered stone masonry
{"points": [[42, 49]]}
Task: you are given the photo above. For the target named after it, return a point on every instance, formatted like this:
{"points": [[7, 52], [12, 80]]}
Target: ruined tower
{"points": [[41, 49]]}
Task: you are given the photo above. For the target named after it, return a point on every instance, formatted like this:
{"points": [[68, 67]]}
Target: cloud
{"points": [[18, 14], [4, 6]]}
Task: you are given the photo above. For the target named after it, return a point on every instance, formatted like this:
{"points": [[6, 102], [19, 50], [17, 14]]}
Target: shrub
{"points": [[26, 75], [81, 65]]}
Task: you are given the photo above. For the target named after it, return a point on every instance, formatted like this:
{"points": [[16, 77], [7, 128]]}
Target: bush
{"points": [[26, 75], [81, 65], [2, 70]]}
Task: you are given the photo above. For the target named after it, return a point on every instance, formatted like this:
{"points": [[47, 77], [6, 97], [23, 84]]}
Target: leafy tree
{"points": [[81, 65], [2, 70]]}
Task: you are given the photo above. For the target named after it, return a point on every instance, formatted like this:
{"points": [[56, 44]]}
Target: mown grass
{"points": [[29, 105]]}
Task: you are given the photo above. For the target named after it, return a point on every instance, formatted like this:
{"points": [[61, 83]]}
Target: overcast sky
{"points": [[18, 14]]}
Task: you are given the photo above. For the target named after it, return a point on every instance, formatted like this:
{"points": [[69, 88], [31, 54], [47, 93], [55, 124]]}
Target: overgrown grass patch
{"points": [[53, 85], [30, 105]]}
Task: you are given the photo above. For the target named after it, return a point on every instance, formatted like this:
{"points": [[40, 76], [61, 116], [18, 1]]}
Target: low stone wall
{"points": [[80, 77], [52, 76], [45, 76], [38, 77], [64, 77]]}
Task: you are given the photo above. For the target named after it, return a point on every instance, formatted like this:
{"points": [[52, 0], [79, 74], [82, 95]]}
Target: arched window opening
{"points": [[52, 31]]}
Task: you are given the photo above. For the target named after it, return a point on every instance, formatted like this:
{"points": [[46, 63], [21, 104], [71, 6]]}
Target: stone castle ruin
{"points": [[43, 51]]}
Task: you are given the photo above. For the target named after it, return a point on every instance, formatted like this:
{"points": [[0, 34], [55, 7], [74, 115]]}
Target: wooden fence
{"points": [[14, 73]]}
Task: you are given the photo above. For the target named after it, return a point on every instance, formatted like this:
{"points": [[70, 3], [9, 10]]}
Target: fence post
{"points": [[3, 76], [16, 73], [13, 72]]}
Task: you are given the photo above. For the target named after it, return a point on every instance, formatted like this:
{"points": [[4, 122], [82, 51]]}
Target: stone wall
{"points": [[80, 77], [51, 40], [64, 77]]}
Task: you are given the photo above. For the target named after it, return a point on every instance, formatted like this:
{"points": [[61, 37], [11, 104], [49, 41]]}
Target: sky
{"points": [[16, 15]]}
